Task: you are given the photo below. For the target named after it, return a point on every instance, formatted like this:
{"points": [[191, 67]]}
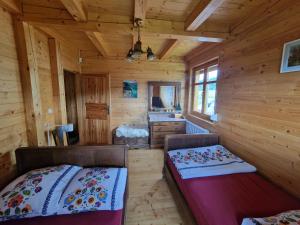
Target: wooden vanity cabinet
{"points": [[158, 131]]}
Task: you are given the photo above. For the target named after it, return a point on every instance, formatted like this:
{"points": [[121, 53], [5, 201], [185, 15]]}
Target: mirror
{"points": [[164, 96]]}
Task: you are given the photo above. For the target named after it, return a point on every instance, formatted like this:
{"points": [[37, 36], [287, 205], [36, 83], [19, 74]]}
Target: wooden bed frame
{"points": [[30, 158], [180, 141]]}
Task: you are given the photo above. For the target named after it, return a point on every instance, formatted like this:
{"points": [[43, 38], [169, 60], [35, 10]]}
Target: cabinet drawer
{"points": [[157, 141], [168, 124], [158, 134], [168, 128]]}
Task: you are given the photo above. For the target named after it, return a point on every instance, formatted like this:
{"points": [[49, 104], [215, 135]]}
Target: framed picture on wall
{"points": [[130, 89], [291, 57]]}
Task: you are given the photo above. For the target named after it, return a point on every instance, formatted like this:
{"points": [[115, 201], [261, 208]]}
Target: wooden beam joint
{"points": [[168, 48], [203, 10], [77, 9], [140, 9], [97, 39], [152, 28], [13, 6]]}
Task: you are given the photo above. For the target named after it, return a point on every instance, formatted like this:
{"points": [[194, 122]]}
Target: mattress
{"points": [[89, 218], [226, 200]]}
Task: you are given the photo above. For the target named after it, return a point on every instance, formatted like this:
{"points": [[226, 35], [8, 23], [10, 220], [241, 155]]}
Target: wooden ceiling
{"points": [[172, 28]]}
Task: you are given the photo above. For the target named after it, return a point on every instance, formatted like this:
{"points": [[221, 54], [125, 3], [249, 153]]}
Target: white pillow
{"points": [[94, 189], [288, 218], [35, 193]]}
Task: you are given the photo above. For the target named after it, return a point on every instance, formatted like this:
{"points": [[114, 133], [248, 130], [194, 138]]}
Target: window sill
{"points": [[203, 118]]}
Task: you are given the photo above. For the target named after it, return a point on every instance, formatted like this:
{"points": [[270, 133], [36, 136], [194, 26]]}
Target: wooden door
{"points": [[95, 95]]}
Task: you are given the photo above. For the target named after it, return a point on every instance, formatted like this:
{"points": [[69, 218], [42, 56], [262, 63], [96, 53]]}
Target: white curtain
{"points": [[167, 95]]}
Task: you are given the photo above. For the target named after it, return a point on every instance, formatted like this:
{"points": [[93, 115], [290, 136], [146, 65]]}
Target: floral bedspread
{"points": [[94, 189], [286, 218], [208, 161], [35, 193]]}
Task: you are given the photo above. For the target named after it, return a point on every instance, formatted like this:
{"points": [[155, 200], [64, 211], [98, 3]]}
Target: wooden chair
{"points": [[64, 130]]}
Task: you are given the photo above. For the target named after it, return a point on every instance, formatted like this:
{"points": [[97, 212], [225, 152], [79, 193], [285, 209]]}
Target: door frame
{"points": [[80, 104]]}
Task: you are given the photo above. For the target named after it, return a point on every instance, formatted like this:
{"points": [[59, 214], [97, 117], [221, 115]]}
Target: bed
{"points": [[113, 156], [223, 199]]}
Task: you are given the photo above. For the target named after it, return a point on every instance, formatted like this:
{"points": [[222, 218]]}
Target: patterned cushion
{"points": [[94, 189], [286, 218], [192, 128], [35, 193]]}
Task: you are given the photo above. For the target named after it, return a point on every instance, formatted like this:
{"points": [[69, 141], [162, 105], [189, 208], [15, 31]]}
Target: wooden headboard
{"points": [[181, 141], [30, 158]]}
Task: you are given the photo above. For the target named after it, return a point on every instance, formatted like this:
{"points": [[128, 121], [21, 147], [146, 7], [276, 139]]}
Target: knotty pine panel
{"points": [[45, 79], [70, 57], [259, 108], [126, 110], [12, 112]]}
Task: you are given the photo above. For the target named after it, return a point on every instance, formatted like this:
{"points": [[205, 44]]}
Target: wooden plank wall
{"points": [[12, 113], [70, 57], [132, 111], [12, 109], [69, 61], [45, 80], [259, 108]]}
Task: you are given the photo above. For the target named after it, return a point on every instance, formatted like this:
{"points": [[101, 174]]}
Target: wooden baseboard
{"points": [[183, 208]]}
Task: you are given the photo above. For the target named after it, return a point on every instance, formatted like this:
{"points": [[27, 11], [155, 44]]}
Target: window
{"points": [[204, 88]]}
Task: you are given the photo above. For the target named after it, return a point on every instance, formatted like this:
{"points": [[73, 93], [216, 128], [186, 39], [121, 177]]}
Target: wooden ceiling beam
{"points": [[203, 10], [168, 48], [13, 6], [53, 34], [152, 28], [76, 9], [97, 39], [140, 9]]}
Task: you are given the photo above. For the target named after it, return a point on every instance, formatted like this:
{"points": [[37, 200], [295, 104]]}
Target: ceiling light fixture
{"points": [[136, 52]]}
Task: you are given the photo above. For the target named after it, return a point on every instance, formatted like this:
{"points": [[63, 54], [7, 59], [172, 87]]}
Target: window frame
{"points": [[203, 67]]}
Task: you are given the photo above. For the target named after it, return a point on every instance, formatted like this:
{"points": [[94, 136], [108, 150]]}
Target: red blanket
{"points": [[226, 200], [89, 218]]}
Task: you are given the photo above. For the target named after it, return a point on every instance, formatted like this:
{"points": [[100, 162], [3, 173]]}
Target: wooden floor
{"points": [[150, 201]]}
